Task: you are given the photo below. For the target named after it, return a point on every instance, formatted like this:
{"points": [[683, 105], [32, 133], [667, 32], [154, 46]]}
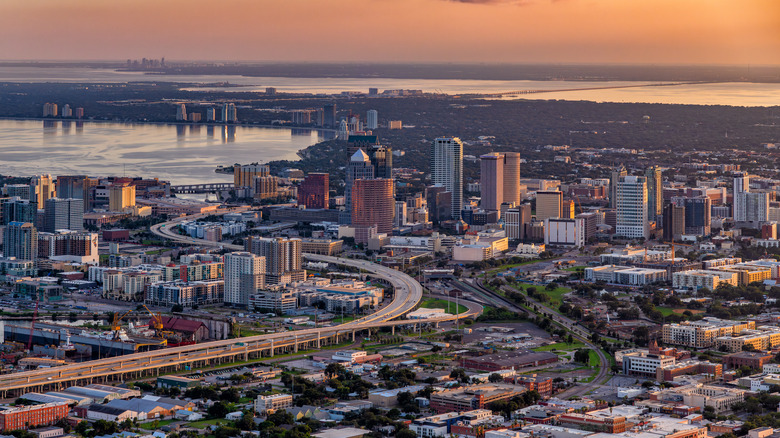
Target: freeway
{"points": [[408, 293]]}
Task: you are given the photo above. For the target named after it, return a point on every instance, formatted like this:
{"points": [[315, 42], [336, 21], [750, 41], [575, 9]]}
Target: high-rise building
{"points": [[749, 206], [20, 190], [64, 214], [282, 257], [120, 197], [211, 114], [20, 240], [372, 119], [359, 167], [567, 209], [229, 114], [244, 175], [181, 112], [549, 204], [66, 111], [512, 190], [631, 207], [314, 190], [447, 170], [79, 113], [655, 192], [266, 187], [42, 188], [244, 276], [50, 110], [381, 158], [73, 246], [400, 214], [616, 174], [439, 202], [491, 179], [78, 187], [697, 212], [515, 220], [16, 209], [674, 221], [329, 116], [373, 204]]}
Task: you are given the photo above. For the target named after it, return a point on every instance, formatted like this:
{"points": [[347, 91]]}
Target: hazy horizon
{"points": [[593, 32]]}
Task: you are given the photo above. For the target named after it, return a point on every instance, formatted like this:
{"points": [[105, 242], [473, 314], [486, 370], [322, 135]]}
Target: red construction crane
{"points": [[32, 325]]}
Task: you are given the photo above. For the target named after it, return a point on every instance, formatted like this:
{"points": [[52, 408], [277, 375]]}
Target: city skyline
{"points": [[495, 31]]}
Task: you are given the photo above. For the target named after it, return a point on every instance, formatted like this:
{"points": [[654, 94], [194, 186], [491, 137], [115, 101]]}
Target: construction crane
{"points": [[156, 320], [115, 327], [32, 324]]}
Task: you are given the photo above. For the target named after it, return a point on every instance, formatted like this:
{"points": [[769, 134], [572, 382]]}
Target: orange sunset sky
{"points": [[515, 31]]}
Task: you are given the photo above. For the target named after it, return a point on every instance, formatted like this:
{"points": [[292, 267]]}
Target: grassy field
{"points": [[556, 295], [575, 269], [593, 358], [666, 311], [153, 425], [437, 303], [561, 346], [202, 424]]}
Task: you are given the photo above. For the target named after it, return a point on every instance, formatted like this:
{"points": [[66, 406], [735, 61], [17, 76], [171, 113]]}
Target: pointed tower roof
{"points": [[359, 156]]}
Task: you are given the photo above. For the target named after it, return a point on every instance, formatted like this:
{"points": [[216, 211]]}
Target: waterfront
{"points": [[183, 154], [720, 93]]}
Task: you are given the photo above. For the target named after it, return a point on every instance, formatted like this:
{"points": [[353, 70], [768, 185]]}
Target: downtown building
{"points": [[70, 246], [283, 258], [314, 191], [373, 207], [184, 293], [500, 180], [631, 207], [244, 276], [749, 207], [64, 214], [20, 240], [703, 333], [446, 161], [359, 167]]}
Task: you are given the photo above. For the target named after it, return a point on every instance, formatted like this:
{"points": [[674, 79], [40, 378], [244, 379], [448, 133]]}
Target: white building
{"points": [[372, 119], [564, 232], [624, 275], [631, 206], [266, 403], [447, 169], [749, 206], [243, 277]]}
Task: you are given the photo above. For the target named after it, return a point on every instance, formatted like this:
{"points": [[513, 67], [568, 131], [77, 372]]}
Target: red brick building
{"points": [[26, 417], [755, 360], [508, 360], [669, 372], [608, 424], [533, 383]]}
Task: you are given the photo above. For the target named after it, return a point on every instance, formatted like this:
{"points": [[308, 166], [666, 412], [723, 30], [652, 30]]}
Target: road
{"points": [[579, 332], [408, 293]]}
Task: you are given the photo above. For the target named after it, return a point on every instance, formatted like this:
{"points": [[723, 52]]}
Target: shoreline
{"points": [[149, 122]]}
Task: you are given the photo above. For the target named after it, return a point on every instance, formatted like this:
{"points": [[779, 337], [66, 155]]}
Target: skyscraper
{"points": [[372, 119], [373, 204], [64, 214], [749, 206], [76, 186], [244, 275], [282, 257], [655, 192], [399, 219], [549, 204], [329, 116], [616, 174], [697, 214], [631, 202], [42, 188], [492, 181], [381, 158], [244, 175], [512, 191], [314, 190], [66, 111], [211, 114], [16, 209], [20, 190], [20, 240], [359, 167], [674, 221], [49, 110], [229, 113], [181, 112], [447, 169], [120, 197]]}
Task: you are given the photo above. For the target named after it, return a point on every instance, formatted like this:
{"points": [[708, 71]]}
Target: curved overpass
{"points": [[408, 293]]}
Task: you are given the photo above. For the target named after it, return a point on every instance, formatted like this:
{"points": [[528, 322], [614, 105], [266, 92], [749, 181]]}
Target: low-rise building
{"points": [[265, 404], [755, 360], [473, 396], [24, 417]]}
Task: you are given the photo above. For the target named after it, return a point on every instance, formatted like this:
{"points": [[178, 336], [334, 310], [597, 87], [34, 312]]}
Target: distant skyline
{"points": [[458, 31]]}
